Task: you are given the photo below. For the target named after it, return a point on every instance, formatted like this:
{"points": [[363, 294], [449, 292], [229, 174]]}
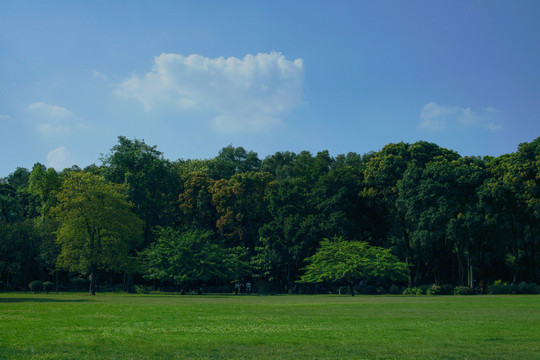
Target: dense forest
{"points": [[141, 219]]}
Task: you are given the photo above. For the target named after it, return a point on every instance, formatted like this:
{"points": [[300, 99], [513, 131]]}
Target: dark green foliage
{"points": [[36, 286], [48, 286], [465, 221], [152, 184], [500, 287], [231, 161]]}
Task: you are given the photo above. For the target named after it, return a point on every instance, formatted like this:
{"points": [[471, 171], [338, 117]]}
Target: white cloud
{"points": [[97, 75], [486, 118], [5, 117], [59, 158], [51, 111], [248, 94], [54, 119], [436, 117]]}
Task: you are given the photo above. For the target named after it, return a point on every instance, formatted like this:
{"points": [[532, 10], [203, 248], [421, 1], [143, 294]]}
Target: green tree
{"points": [[514, 191], [19, 247], [152, 184], [97, 227], [280, 165], [48, 247], [384, 172], [44, 183], [292, 233], [190, 259], [195, 202], [242, 207], [347, 262], [233, 160]]}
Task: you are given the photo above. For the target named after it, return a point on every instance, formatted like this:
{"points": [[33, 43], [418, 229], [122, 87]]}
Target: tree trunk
{"points": [[408, 257], [534, 247], [470, 275], [93, 280], [128, 284]]}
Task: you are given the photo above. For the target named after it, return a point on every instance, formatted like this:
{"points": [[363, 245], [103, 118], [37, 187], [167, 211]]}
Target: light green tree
{"points": [[97, 228], [347, 262]]}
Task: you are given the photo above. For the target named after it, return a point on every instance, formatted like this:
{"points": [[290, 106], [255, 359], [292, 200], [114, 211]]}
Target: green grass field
{"points": [[117, 326]]}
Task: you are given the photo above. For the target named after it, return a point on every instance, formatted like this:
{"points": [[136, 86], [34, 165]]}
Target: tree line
{"points": [[139, 218]]}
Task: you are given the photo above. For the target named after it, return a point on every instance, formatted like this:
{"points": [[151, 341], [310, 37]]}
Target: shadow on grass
{"points": [[20, 300]]}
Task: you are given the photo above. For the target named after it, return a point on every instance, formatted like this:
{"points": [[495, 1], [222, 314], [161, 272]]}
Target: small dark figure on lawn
{"points": [[248, 287], [237, 288]]}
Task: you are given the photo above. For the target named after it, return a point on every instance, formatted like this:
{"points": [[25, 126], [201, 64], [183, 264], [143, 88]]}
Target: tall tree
{"points": [[292, 233], [97, 227], [19, 247], [151, 180], [233, 160], [44, 183], [195, 202], [242, 207], [515, 187], [383, 174]]}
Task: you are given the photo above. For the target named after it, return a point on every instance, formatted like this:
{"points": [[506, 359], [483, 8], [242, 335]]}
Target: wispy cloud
{"points": [[4, 117], [59, 158], [249, 94], [436, 117], [97, 75], [486, 118], [54, 119]]}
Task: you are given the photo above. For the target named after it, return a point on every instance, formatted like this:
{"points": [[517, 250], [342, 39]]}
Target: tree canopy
{"points": [[450, 219], [348, 262], [97, 227]]}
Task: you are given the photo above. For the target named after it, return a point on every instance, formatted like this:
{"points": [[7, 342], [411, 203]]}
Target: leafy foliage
{"points": [[36, 286], [96, 225], [455, 220], [190, 259], [347, 262]]}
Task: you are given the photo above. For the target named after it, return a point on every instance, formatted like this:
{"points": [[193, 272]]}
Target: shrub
{"points": [[48, 286], [394, 290], [500, 287], [413, 291], [143, 289], [444, 289], [380, 290], [433, 290], [409, 291], [36, 286], [447, 289], [527, 288], [463, 290]]}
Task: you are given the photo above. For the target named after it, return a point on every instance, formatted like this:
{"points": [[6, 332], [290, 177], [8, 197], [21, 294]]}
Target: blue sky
{"points": [[194, 76]]}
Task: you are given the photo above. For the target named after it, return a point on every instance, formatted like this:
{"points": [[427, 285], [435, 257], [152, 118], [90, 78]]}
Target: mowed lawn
{"points": [[117, 326]]}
